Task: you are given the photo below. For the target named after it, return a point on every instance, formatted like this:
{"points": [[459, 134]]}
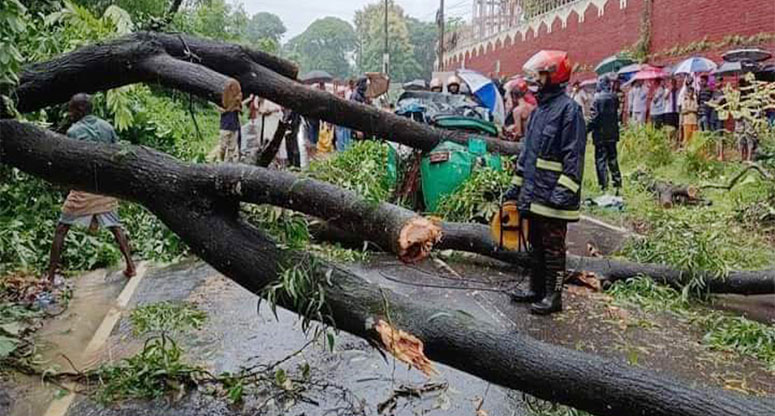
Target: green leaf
{"points": [[12, 328], [7, 346], [331, 340]]}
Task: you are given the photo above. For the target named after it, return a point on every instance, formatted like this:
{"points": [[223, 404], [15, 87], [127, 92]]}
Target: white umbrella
{"points": [[694, 65]]}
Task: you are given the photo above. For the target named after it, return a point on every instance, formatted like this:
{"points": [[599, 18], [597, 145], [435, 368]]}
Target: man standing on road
{"points": [[548, 177], [604, 125], [83, 208]]}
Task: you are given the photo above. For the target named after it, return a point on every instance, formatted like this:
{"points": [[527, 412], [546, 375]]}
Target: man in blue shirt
{"points": [[83, 208]]}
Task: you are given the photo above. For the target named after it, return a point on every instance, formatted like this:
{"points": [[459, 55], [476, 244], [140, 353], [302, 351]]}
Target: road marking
{"points": [[59, 407]]}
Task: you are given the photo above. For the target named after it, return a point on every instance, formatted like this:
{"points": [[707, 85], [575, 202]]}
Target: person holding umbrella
{"points": [[547, 183]]}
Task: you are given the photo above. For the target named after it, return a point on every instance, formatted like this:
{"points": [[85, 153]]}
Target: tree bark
{"points": [[200, 204], [131, 59], [669, 194]]}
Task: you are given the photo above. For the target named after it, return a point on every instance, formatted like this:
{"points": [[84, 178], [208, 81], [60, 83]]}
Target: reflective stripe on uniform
{"points": [[516, 180], [560, 214], [548, 165], [568, 183]]}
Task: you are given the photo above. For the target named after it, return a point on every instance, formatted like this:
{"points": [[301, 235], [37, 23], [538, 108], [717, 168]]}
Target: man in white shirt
{"points": [[265, 116], [638, 103]]}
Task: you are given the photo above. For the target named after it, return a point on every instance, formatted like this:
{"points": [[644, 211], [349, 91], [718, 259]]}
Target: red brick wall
{"points": [[674, 22]]}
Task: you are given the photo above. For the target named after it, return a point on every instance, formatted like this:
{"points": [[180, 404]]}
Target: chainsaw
{"points": [[509, 229]]}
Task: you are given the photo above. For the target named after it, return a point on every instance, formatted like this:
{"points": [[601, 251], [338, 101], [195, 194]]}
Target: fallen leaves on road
{"points": [[405, 347]]}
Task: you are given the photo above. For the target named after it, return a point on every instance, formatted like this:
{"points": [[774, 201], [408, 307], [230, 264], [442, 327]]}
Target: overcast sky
{"points": [[298, 14]]}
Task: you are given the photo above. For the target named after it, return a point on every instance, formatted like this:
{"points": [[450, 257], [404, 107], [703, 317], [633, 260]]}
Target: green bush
{"points": [[362, 168], [645, 145]]}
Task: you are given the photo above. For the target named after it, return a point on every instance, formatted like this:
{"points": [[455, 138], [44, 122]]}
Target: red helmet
{"points": [[556, 63], [517, 85]]}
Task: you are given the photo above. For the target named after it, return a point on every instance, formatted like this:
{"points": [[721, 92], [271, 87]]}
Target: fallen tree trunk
{"points": [[190, 199], [191, 64]]}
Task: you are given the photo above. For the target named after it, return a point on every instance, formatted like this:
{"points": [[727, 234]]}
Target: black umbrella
{"points": [[731, 68], [315, 77], [751, 55]]}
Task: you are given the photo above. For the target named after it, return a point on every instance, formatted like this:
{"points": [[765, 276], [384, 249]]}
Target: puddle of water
{"points": [[67, 336]]}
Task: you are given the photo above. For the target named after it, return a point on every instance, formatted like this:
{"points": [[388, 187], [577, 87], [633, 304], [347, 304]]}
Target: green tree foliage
{"points": [[265, 26], [424, 37], [326, 45], [12, 27], [370, 26], [138, 9], [214, 19]]}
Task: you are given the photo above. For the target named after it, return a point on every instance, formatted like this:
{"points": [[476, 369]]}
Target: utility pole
{"points": [[441, 36], [386, 53]]}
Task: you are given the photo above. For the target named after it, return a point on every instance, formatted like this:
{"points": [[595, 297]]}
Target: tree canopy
{"points": [[327, 44], [412, 42], [264, 25]]}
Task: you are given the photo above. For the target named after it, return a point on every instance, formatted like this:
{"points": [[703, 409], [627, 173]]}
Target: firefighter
{"points": [[604, 125], [547, 184], [453, 84], [436, 85]]}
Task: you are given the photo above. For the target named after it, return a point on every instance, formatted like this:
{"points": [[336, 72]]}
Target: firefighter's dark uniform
{"points": [[547, 189], [604, 126]]}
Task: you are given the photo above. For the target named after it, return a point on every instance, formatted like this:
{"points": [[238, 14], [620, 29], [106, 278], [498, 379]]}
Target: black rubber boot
{"points": [[552, 302], [535, 292]]}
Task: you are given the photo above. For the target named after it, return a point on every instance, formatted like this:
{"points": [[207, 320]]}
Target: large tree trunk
{"points": [[200, 204], [200, 66]]}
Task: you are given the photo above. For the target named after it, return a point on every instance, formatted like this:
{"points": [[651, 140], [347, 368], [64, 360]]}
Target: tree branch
{"points": [[126, 60], [739, 176]]}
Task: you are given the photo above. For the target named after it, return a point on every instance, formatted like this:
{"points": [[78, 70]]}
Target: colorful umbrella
{"points": [[486, 91], [753, 55], [628, 71], [612, 64], [648, 73], [694, 65]]}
